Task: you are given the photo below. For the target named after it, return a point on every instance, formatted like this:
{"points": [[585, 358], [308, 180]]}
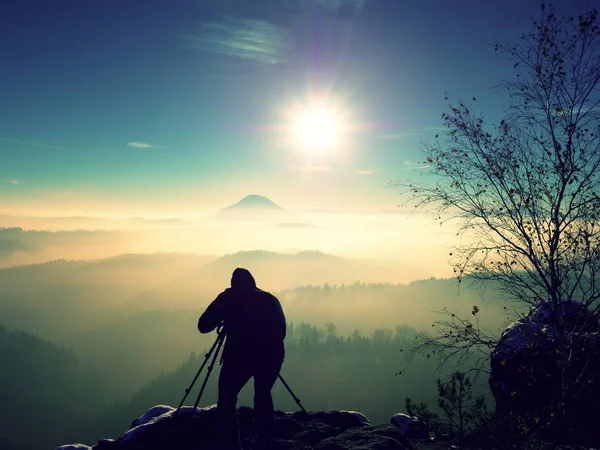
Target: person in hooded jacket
{"points": [[255, 328]]}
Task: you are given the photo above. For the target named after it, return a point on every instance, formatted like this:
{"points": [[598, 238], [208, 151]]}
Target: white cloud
{"points": [[311, 168], [251, 39], [140, 145], [365, 172], [15, 182]]}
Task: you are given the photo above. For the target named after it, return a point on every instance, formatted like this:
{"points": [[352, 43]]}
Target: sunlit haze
{"points": [[150, 148], [140, 130]]}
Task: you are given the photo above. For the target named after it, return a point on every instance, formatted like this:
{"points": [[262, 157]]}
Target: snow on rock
{"points": [[74, 447], [197, 429], [339, 419], [153, 412], [576, 316], [525, 367], [360, 416], [409, 426], [518, 336], [168, 415]]}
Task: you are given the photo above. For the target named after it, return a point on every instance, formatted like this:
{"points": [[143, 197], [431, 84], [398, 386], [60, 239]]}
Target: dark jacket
{"points": [[253, 321]]}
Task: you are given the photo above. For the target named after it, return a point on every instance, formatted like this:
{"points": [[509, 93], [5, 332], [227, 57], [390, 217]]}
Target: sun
{"points": [[316, 127]]}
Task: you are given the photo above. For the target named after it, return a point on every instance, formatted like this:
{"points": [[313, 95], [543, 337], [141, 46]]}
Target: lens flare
{"points": [[316, 127]]}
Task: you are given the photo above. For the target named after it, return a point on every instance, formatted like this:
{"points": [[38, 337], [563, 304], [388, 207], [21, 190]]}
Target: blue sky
{"points": [[174, 105]]}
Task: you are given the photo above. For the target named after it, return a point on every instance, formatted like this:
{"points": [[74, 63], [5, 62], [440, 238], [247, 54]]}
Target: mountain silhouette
{"points": [[253, 201], [255, 208]]}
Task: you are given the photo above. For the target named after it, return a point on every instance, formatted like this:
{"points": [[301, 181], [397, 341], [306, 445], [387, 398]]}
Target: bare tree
{"points": [[525, 192]]}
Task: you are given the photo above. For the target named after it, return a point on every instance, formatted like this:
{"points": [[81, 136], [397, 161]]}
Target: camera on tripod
{"points": [[221, 335]]}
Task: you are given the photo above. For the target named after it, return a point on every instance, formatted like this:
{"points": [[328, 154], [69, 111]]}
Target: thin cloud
{"points": [[394, 136], [29, 143], [416, 165], [310, 168], [250, 39], [15, 182], [565, 112], [334, 6], [139, 145], [145, 145], [412, 133], [365, 172]]}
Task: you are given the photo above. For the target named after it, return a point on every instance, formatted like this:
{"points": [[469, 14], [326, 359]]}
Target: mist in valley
{"points": [[409, 244], [102, 339]]}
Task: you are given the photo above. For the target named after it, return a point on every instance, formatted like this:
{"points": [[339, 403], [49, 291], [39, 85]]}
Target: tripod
{"points": [[217, 345]]}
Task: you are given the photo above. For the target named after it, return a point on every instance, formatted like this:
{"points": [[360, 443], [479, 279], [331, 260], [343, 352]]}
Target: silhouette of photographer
{"points": [[255, 328]]}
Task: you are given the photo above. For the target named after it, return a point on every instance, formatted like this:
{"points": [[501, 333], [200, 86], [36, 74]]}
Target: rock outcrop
{"points": [[411, 427], [162, 427], [525, 365]]}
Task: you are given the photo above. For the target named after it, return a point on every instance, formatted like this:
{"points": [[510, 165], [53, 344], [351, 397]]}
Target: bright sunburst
{"points": [[316, 126]]}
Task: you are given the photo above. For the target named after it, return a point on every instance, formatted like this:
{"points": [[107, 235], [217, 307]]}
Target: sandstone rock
{"points": [[153, 412], [360, 416], [525, 366], [380, 437], [161, 428], [411, 427]]}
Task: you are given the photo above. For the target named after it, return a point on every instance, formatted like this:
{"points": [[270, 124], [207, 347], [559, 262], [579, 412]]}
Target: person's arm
{"points": [[213, 316]]}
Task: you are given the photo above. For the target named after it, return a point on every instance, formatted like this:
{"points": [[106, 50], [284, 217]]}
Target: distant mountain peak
{"points": [[255, 201]]}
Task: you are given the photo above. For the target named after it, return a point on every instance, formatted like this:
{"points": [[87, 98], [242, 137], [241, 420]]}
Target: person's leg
{"points": [[232, 379], [264, 378]]}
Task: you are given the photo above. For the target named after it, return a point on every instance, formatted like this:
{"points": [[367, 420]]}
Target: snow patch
{"points": [[360, 416], [167, 415], [155, 411], [74, 447]]}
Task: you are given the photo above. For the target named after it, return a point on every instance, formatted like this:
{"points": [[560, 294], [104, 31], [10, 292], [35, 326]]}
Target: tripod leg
{"points": [[298, 402], [221, 339], [207, 356]]}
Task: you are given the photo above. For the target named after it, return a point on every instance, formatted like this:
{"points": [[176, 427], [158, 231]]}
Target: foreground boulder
{"points": [[161, 427], [152, 413], [409, 426], [525, 375], [380, 437]]}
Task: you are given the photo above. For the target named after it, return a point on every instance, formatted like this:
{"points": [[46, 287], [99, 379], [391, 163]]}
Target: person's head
{"points": [[242, 279]]}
